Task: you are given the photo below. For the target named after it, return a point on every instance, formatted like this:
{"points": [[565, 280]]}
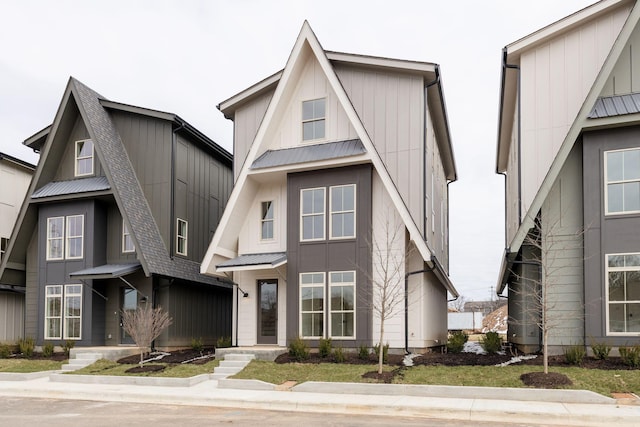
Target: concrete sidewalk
{"points": [[531, 406]]}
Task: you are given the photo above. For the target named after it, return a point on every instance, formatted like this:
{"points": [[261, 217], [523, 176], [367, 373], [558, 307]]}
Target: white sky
{"points": [[186, 56]]}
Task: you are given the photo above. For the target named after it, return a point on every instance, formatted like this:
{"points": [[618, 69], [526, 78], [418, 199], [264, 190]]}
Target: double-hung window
{"points": [[342, 287], [72, 311], [127, 240], [622, 186], [343, 209], [313, 119], [55, 238], [312, 208], [75, 236], [65, 237], [181, 237], [53, 312], [84, 158], [623, 294], [63, 312], [312, 305], [267, 220]]}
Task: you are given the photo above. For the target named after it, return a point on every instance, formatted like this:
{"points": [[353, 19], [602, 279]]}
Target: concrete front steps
{"points": [[80, 360], [231, 365]]}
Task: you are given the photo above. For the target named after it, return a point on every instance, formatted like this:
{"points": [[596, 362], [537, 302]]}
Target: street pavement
{"points": [[527, 406]]}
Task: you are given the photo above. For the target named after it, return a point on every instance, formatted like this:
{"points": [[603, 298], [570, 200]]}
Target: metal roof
{"points": [[309, 153], [269, 260], [75, 186], [106, 271], [618, 105]]}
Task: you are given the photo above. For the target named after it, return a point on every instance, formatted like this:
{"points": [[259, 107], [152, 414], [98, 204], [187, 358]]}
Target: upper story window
{"points": [[84, 158], [623, 294], [343, 210], [75, 236], [181, 237], [55, 238], [622, 185], [267, 220], [127, 241], [312, 209], [65, 233], [313, 117]]}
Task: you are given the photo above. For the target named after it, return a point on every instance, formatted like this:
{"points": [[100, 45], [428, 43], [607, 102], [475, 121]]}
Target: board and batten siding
{"points": [[249, 237], [66, 167], [33, 286], [512, 179], [246, 120], [555, 79], [11, 316], [15, 182], [624, 78]]}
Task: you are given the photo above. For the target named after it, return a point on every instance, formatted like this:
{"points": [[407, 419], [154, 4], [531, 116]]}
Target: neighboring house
{"points": [[569, 147], [330, 152], [15, 175], [119, 212]]}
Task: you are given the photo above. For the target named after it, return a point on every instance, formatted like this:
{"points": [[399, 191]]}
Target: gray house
{"points": [[119, 213], [569, 147]]}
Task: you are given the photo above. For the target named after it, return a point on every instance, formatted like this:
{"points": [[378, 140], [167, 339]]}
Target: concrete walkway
{"points": [[530, 406]]}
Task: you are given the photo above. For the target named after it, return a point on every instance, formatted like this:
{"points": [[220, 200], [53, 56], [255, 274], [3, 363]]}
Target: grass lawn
{"points": [[107, 367], [26, 365]]}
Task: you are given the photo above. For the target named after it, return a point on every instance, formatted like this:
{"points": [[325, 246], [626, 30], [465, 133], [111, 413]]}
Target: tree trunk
{"points": [[545, 352], [381, 348]]}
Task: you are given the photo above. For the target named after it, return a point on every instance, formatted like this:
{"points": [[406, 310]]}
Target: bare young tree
{"points": [[145, 324]]}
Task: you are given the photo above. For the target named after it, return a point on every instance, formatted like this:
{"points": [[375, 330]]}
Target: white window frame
{"points": [[264, 220], [622, 181], [321, 286], [332, 212], [314, 119], [68, 237], [608, 270], [61, 238], [331, 311], [323, 213], [4, 243], [68, 295], [182, 237], [47, 317], [127, 241], [78, 158]]}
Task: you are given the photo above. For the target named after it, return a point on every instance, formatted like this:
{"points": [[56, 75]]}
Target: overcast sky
{"points": [[186, 56]]}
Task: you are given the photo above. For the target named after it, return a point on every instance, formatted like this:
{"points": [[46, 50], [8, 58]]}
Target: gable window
{"points": [[267, 220], [622, 186], [55, 238], [623, 294], [342, 304], [342, 211], [313, 117], [127, 241], [84, 158], [312, 210], [53, 312], [312, 305], [4, 242], [75, 236], [181, 237]]}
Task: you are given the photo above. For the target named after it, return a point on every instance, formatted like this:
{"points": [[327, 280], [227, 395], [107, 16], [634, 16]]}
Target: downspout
{"points": [[406, 304], [172, 200]]}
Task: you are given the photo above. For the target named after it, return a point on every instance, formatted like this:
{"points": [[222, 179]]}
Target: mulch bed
{"points": [[175, 357]]}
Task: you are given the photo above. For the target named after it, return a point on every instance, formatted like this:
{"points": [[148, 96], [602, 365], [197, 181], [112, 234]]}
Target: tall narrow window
{"points": [[84, 157], [623, 294], [267, 220], [343, 209], [312, 210], [55, 238], [4, 242], [622, 169], [312, 305], [127, 241], [313, 117], [75, 236], [181, 237], [342, 304], [53, 312], [72, 311]]}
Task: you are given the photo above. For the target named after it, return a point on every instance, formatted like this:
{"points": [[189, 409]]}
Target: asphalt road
{"points": [[52, 412]]}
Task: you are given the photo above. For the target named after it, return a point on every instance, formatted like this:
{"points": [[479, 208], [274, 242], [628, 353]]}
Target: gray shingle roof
{"points": [[267, 260], [74, 186], [309, 153], [106, 271], [609, 106]]}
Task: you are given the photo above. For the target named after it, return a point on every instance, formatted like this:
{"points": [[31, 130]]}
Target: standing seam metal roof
{"points": [[309, 153], [74, 186], [618, 105]]}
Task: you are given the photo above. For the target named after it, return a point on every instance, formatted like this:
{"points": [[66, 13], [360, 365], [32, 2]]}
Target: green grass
{"points": [[24, 366], [107, 367]]}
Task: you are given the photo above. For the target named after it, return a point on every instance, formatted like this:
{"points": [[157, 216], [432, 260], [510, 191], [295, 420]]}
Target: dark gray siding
{"points": [[604, 235], [331, 255], [114, 254], [66, 168], [33, 288]]}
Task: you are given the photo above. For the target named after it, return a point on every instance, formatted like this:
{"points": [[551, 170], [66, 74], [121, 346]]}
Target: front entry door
{"points": [[268, 311], [129, 302]]}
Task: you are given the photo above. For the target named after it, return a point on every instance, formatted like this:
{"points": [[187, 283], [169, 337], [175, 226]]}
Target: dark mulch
{"points": [[351, 358], [542, 380], [177, 356], [58, 357]]}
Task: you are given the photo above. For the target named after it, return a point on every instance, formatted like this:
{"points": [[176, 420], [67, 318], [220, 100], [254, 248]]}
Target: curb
{"points": [[27, 376], [113, 379]]}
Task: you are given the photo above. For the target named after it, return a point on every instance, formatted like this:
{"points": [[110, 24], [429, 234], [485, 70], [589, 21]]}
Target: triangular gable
{"points": [[244, 191]]}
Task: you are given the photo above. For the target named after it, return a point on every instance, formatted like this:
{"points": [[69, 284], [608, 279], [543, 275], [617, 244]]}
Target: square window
{"points": [[622, 182]]}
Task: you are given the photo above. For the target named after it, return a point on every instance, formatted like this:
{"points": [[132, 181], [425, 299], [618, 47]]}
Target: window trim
{"points": [[331, 311], [67, 237], [303, 215], [184, 238], [322, 286], [4, 245], [607, 270], [331, 211], [50, 239], [623, 181], [67, 294], [127, 233], [77, 158], [272, 220], [314, 119], [47, 297]]}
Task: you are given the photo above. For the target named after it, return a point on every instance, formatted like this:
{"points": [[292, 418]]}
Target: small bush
{"points": [[197, 344], [385, 352], [324, 347], [600, 351], [26, 346], [574, 354], [456, 342], [363, 352], [67, 346], [491, 342], [223, 342], [630, 355], [338, 355], [5, 351], [298, 349], [47, 349]]}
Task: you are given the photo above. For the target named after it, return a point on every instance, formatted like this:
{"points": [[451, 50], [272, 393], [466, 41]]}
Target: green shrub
{"points": [[338, 355], [5, 351], [324, 347], [630, 355], [67, 346], [574, 354], [456, 342], [47, 349], [197, 344], [26, 346], [600, 350], [363, 352], [491, 342], [298, 349], [223, 342], [385, 352]]}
